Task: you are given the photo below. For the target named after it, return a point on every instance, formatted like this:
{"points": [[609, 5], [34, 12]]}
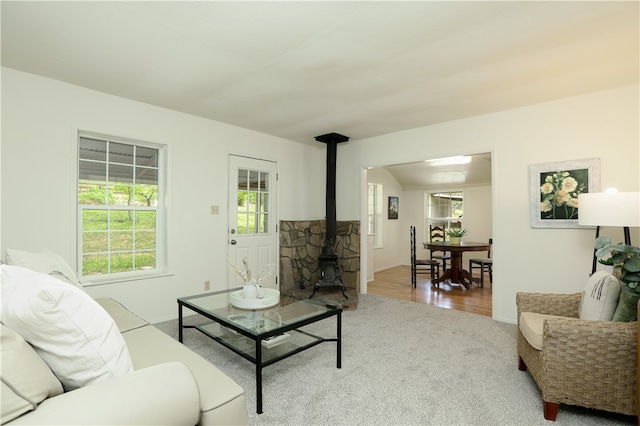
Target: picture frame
{"points": [[393, 208], [554, 189]]}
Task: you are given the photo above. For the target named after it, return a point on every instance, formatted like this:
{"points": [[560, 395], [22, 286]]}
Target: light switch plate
{"points": [[215, 209]]}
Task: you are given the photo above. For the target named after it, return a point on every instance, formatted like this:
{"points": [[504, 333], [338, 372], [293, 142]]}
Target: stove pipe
{"points": [[332, 140]]}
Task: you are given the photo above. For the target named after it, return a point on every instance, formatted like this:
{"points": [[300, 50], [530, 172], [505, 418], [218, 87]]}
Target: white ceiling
{"points": [[300, 69]]}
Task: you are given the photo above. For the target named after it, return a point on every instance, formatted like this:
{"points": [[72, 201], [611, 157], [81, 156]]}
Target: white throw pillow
{"points": [[600, 297], [26, 379], [72, 333], [46, 262]]}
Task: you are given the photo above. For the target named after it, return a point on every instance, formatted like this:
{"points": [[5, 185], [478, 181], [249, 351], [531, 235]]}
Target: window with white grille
{"points": [[375, 213], [444, 209], [120, 218]]}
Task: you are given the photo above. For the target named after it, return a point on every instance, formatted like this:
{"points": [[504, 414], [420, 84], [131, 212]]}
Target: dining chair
{"points": [[482, 263], [421, 266], [437, 233]]}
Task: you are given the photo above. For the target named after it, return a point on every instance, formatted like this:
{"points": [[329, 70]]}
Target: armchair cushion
{"points": [[531, 326], [600, 297]]}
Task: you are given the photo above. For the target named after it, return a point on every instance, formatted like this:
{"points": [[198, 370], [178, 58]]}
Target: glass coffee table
{"points": [[262, 336]]}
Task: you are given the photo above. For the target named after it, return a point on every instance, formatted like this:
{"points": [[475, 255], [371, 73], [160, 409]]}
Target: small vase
{"points": [[607, 268], [250, 290], [455, 240]]}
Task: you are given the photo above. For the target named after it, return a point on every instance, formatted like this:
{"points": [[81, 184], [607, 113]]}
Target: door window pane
{"points": [[253, 202]]}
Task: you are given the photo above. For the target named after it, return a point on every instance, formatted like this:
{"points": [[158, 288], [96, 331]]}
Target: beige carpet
{"points": [[404, 363]]}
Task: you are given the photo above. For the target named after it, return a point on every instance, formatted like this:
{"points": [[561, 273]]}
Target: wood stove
{"points": [[329, 265]]}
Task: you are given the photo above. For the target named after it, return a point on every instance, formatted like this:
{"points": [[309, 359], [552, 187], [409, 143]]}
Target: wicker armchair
{"points": [[592, 364]]}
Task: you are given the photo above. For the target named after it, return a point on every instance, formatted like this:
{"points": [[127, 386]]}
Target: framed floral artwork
{"points": [[393, 208], [555, 187]]}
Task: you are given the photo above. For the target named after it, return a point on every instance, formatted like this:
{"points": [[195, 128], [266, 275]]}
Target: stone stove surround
{"points": [[301, 245]]}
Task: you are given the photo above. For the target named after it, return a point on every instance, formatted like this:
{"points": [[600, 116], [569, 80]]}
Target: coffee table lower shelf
{"points": [[250, 346]]}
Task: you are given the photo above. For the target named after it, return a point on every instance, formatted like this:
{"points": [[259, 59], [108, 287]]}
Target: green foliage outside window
{"points": [[118, 196]]}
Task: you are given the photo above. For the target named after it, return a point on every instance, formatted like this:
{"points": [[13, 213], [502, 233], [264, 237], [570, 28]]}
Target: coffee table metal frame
{"points": [[223, 313]]}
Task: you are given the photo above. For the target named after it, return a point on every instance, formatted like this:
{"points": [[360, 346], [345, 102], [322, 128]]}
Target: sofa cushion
{"points": [[149, 346], [124, 318], [532, 327], [26, 379], [46, 262], [600, 297], [165, 394], [72, 333]]}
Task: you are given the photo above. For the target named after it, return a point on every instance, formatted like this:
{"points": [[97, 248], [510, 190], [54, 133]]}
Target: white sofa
{"points": [[168, 384]]}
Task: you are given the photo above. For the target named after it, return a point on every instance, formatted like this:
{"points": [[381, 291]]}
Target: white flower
{"points": [[546, 188], [561, 197], [569, 184]]}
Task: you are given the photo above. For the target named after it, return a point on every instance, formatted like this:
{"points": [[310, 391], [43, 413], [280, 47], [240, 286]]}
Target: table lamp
{"points": [[609, 208]]}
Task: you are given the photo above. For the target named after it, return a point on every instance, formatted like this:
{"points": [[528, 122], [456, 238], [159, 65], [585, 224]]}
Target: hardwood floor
{"points": [[396, 283]]}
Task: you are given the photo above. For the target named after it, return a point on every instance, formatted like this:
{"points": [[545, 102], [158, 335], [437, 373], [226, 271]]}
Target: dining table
{"points": [[456, 273]]}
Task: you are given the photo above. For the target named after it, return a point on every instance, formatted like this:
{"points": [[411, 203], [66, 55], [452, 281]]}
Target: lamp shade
{"points": [[609, 209]]}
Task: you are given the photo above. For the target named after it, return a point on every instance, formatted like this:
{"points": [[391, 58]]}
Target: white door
{"points": [[253, 233]]}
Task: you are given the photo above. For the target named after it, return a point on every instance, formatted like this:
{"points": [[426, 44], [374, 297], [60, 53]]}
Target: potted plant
{"points": [[605, 264], [626, 265], [456, 234]]}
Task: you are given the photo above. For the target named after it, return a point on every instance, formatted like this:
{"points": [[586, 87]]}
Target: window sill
{"points": [[97, 280]]}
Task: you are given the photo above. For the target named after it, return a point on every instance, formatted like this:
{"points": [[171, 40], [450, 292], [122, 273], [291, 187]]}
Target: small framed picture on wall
{"points": [[393, 207]]}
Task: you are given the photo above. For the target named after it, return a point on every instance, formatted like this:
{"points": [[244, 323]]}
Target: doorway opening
{"points": [[388, 263]]}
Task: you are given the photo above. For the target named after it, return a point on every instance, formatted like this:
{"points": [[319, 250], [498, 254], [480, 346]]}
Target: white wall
{"points": [[40, 118], [603, 124]]}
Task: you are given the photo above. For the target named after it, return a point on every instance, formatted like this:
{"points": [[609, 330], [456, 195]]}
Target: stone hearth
{"points": [[300, 247]]}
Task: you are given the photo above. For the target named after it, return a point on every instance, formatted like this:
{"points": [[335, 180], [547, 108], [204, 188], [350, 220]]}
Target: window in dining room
{"points": [[444, 209], [375, 213]]}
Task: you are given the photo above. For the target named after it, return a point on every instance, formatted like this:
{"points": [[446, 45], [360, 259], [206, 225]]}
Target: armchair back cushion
{"points": [[600, 297]]}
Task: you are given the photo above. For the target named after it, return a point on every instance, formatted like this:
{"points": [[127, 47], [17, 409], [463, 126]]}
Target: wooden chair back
{"points": [[421, 266], [412, 232], [436, 233]]}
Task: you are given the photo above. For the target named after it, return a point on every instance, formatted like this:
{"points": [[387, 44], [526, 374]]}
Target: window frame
{"points": [[161, 264], [445, 221], [377, 214]]}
